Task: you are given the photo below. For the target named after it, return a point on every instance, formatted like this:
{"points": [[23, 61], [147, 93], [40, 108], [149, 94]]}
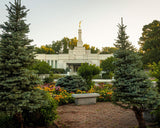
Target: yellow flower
{"points": [[100, 96], [109, 93]]}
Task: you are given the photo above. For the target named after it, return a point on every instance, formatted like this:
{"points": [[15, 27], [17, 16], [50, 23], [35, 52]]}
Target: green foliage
{"points": [[43, 116], [41, 67], [72, 83], [155, 72], [63, 45], [58, 70], [48, 79], [108, 50], [44, 50], [94, 50], [58, 47], [108, 66], [8, 121], [132, 89], [105, 91], [17, 82], [52, 77], [62, 96], [132, 86], [87, 72], [150, 42], [107, 75], [157, 114]]}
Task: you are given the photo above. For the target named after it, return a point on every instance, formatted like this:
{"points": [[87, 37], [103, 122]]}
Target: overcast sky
{"points": [[54, 19]]}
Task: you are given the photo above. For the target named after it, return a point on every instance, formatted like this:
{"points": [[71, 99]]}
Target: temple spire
{"points": [[80, 43]]}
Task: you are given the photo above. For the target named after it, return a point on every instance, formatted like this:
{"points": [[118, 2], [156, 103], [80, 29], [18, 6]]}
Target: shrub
{"points": [[58, 70], [52, 77], [41, 67], [43, 116], [157, 113], [72, 83], [8, 121], [62, 96], [107, 65], [87, 72], [107, 75], [105, 91]]}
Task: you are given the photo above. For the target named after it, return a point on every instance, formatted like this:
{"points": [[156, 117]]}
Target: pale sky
{"points": [[54, 19]]}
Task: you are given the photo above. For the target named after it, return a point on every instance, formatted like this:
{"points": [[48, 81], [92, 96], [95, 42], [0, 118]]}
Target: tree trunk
{"points": [[20, 119], [139, 116]]}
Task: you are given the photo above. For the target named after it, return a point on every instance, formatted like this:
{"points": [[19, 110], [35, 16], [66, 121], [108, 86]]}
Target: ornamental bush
{"points": [[72, 83], [7, 121], [42, 116], [87, 72]]}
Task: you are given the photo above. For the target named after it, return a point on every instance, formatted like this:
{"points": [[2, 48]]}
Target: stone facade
{"points": [[74, 58]]}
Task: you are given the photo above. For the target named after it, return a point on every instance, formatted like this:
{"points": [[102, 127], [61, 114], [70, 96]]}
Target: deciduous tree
{"points": [[108, 66], [150, 42]]}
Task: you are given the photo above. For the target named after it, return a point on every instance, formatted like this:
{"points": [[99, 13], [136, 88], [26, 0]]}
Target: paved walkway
{"points": [[101, 115]]}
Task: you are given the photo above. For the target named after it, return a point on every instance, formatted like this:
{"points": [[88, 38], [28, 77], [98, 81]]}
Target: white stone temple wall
{"points": [[76, 56]]}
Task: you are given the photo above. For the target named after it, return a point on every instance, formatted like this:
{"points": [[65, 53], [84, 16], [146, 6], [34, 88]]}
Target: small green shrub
{"points": [[107, 75], [58, 70], [8, 121], [72, 83], [48, 80], [87, 72], [157, 114], [43, 116], [52, 77], [97, 76]]}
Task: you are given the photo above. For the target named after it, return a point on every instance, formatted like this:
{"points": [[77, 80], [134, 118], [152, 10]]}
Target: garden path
{"points": [[100, 115]]}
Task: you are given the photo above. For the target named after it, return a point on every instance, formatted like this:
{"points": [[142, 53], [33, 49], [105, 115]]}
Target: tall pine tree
{"points": [[132, 89], [17, 91]]}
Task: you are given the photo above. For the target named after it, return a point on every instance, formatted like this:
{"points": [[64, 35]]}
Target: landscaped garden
{"points": [[28, 102], [63, 97]]}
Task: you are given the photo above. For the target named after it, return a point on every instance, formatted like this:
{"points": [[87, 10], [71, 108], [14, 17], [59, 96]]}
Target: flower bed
{"points": [[64, 97]]}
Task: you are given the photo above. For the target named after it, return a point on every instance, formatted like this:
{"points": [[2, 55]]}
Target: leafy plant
{"points": [[7, 121], [58, 70], [108, 66], [87, 72], [155, 72], [41, 67]]}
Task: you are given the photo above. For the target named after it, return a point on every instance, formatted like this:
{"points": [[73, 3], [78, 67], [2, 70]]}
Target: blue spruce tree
{"points": [[132, 89], [17, 83]]}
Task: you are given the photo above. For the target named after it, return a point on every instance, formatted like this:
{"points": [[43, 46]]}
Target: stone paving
{"points": [[100, 115]]}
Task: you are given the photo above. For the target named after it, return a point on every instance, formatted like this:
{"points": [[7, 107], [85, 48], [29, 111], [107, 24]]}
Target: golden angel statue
{"points": [[80, 24]]}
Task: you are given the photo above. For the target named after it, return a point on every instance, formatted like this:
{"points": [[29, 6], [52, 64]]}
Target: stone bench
{"points": [[85, 98]]}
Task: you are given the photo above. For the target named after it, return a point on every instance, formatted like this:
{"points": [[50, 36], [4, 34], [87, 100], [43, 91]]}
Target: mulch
{"points": [[100, 115]]}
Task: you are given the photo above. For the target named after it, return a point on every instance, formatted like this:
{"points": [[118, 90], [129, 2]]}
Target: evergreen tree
{"points": [[132, 89], [17, 91]]}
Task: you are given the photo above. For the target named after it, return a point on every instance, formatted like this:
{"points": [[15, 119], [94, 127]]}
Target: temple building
{"points": [[74, 58]]}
